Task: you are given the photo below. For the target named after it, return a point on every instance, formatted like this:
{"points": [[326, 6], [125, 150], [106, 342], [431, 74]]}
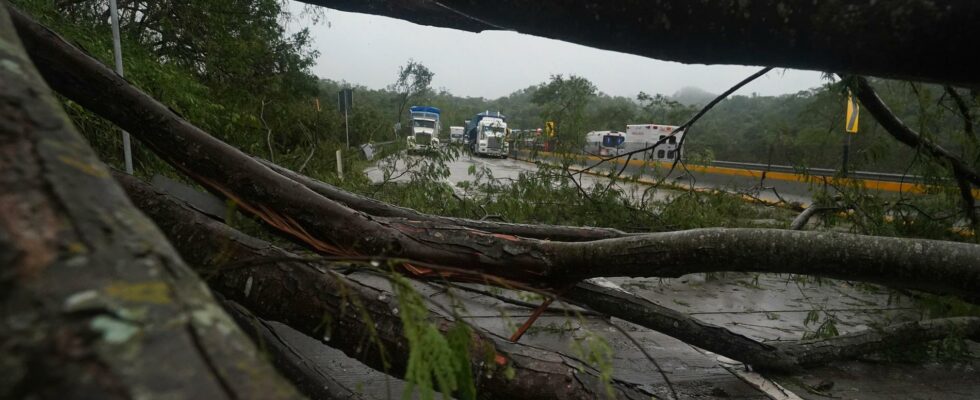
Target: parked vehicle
{"points": [[456, 134], [486, 134], [425, 124], [605, 143], [644, 135]]}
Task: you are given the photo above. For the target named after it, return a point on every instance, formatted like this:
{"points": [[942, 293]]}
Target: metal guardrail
{"points": [[820, 172], [869, 175]]}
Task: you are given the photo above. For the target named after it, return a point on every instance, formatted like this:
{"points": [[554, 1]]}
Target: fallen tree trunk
{"points": [[898, 39], [95, 302], [352, 317], [203, 237], [382, 209], [330, 227]]}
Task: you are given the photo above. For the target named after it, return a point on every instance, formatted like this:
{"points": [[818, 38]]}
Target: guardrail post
{"points": [[340, 165]]}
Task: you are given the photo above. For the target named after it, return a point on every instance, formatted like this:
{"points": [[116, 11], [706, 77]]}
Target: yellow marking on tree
{"points": [[77, 248], [155, 292], [87, 168]]}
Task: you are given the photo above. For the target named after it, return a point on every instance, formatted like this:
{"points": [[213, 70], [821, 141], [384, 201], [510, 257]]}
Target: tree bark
{"points": [[330, 227], [382, 209], [822, 351], [270, 283], [898, 39], [648, 314], [95, 302], [295, 365]]}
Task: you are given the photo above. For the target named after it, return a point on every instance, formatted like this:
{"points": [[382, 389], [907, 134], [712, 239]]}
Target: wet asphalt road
{"points": [[681, 179]]}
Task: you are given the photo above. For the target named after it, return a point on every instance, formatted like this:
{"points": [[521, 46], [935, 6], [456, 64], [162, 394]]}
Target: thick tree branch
{"points": [[716, 339], [898, 39], [296, 366], [965, 113], [780, 356], [95, 302], [357, 319], [854, 345]]}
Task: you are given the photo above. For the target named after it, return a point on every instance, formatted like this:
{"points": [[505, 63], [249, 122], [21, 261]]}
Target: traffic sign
{"points": [[853, 111]]}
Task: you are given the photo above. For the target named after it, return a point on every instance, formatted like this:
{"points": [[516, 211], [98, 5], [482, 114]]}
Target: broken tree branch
{"points": [[803, 217], [903, 133], [965, 113]]}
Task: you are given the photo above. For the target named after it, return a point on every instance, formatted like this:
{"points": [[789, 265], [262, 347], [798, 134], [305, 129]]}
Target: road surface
{"points": [[771, 190]]}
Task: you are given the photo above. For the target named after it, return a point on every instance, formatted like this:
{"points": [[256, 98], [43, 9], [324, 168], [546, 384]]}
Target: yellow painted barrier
{"points": [[871, 184], [885, 186]]}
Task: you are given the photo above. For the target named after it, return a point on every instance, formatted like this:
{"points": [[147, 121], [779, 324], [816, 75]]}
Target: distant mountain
{"points": [[692, 96]]}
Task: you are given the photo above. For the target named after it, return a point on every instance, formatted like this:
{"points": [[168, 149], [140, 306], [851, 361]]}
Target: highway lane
{"points": [[511, 168]]}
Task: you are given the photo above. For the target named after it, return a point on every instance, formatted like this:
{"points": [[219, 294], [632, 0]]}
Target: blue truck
{"points": [[486, 134], [425, 124]]}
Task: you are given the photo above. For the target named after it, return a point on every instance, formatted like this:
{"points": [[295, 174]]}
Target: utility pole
{"points": [[117, 53], [345, 101]]}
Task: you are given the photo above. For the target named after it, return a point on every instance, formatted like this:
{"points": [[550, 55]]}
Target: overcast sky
{"points": [[367, 50]]}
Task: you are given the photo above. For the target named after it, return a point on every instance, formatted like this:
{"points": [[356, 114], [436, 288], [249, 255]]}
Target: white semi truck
{"points": [[425, 124], [486, 134], [456, 134]]}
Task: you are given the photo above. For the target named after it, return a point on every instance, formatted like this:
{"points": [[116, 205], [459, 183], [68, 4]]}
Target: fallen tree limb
{"points": [[803, 217], [787, 356], [382, 209], [95, 302], [896, 39], [296, 366], [332, 228], [352, 317], [853, 345], [962, 172], [716, 339]]}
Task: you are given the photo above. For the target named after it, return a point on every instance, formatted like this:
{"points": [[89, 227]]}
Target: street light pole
{"points": [[117, 53]]}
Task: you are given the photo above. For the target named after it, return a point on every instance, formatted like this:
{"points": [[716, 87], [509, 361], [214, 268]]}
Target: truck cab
{"points": [[456, 134], [425, 124], [487, 133]]}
